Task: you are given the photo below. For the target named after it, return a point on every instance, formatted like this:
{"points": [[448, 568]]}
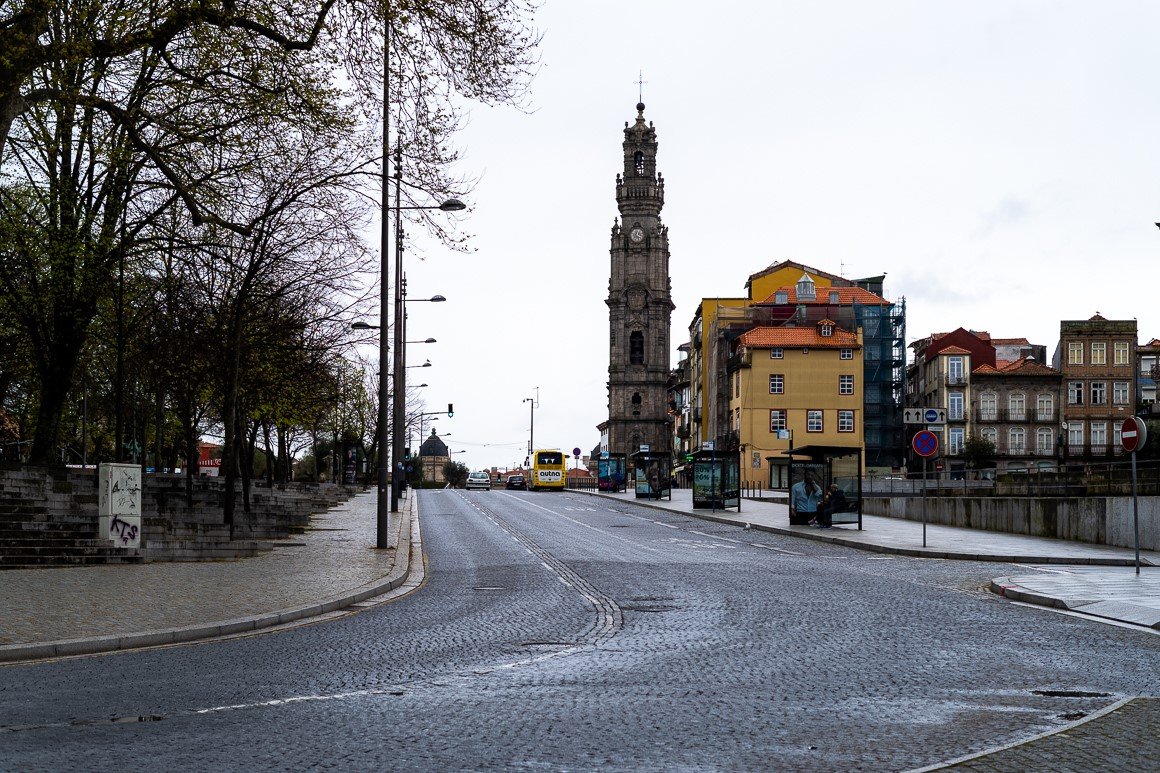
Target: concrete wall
{"points": [[1099, 520]]}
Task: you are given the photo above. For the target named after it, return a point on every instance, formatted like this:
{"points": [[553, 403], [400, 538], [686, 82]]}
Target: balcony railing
{"points": [[951, 379]]}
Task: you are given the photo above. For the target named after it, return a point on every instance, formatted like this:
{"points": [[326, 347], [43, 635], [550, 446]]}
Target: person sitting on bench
{"points": [[835, 503]]}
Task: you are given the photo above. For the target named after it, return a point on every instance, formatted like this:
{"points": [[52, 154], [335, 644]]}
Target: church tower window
{"points": [[636, 348], [638, 159]]}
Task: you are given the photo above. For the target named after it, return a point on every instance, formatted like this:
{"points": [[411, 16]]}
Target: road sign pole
{"points": [[924, 501], [1135, 514]]}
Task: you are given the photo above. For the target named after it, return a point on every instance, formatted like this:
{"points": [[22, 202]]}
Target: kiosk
{"points": [[825, 465], [610, 472], [716, 478], [652, 472]]}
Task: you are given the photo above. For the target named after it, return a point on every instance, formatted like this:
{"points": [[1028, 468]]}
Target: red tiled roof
{"points": [[1000, 364], [954, 350], [1010, 342], [766, 337], [1020, 367], [847, 296]]}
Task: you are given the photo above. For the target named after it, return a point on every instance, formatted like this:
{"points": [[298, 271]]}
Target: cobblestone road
{"points": [[558, 632]]}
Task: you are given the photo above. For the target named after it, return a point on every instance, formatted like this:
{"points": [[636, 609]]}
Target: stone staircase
{"points": [[41, 525], [49, 518]]}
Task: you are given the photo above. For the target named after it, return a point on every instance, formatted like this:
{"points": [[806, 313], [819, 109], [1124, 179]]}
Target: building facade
{"points": [[639, 302], [1016, 407], [791, 387], [1097, 360]]}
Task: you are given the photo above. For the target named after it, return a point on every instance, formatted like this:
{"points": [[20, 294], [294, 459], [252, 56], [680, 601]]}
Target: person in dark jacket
{"points": [[835, 503]]}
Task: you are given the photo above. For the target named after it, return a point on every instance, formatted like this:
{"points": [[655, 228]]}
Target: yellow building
{"points": [[792, 387]]}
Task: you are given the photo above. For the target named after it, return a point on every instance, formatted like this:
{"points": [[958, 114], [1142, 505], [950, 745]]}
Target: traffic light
{"points": [[450, 410], [407, 452]]}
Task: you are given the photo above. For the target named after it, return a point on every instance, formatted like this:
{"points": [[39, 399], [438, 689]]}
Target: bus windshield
{"points": [[549, 457]]}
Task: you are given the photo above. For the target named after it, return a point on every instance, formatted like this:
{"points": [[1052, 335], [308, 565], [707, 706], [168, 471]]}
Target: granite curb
{"points": [[836, 538], [399, 574], [1124, 612]]}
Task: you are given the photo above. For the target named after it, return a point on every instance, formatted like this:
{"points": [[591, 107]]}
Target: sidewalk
{"points": [[102, 608], [1096, 580]]}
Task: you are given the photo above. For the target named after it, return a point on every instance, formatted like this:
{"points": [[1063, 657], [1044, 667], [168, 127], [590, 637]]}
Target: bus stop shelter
{"points": [[716, 480], [652, 472], [826, 465], [610, 472]]}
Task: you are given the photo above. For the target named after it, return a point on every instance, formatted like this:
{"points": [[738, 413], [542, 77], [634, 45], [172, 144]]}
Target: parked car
{"points": [[517, 481], [480, 480]]}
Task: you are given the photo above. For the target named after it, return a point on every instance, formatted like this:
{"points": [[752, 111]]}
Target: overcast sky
{"points": [[999, 161]]}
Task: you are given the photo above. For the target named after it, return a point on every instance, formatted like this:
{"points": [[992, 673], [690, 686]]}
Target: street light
{"points": [[428, 341], [531, 426], [427, 364]]}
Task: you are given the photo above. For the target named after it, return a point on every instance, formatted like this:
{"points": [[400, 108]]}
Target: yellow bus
{"points": [[548, 470]]}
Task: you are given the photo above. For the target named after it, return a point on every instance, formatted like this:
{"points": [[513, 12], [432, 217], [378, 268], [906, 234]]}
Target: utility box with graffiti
{"points": [[119, 504]]}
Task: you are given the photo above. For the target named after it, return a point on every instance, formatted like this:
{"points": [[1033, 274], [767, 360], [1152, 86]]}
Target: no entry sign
{"points": [[925, 443], [1133, 433]]}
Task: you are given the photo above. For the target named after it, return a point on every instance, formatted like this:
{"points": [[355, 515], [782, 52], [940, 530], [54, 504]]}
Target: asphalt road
{"points": [[554, 632]]}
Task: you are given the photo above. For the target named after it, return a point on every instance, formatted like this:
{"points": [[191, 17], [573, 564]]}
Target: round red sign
{"points": [[1133, 433]]}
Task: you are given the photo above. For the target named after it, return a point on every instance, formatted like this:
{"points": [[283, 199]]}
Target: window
{"points": [[1099, 393], [776, 384], [1117, 438], [1120, 392], [827, 331], [737, 420], [955, 441], [737, 384], [845, 421], [777, 420], [638, 160], [990, 434], [1075, 433], [1099, 353], [1015, 440], [776, 353], [1044, 408], [1075, 393], [954, 370], [1099, 436], [1075, 353], [1121, 352], [1016, 406], [845, 385], [988, 407], [955, 406], [846, 354], [814, 421], [636, 348], [1043, 441]]}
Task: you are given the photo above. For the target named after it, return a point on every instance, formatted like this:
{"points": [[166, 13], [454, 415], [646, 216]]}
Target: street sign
{"points": [[707, 445], [1133, 433], [925, 443], [576, 452], [924, 415]]}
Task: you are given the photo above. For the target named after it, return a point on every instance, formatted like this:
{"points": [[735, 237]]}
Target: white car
{"points": [[479, 480]]}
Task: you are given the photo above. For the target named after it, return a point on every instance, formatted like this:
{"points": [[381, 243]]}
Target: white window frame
{"points": [[1099, 353], [845, 354], [1121, 353], [778, 416], [1075, 433], [777, 388], [815, 420], [1044, 407], [1075, 353], [845, 385], [1043, 440], [1016, 406], [1099, 393], [955, 402], [1120, 390], [1075, 393], [990, 433], [1098, 433], [776, 353], [955, 439], [845, 421], [988, 407], [1017, 440]]}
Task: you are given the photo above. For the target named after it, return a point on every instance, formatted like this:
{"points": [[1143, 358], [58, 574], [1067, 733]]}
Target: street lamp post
{"points": [[387, 505], [531, 426]]}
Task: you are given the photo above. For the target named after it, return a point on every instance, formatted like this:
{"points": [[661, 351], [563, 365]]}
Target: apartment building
{"points": [[1016, 407], [1097, 360]]}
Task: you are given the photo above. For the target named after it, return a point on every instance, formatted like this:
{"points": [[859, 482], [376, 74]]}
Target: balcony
{"points": [[952, 379]]}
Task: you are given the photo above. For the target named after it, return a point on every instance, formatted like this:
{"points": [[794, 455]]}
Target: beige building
{"points": [[792, 387]]}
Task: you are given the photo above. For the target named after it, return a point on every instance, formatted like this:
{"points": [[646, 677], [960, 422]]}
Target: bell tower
{"points": [[639, 300]]}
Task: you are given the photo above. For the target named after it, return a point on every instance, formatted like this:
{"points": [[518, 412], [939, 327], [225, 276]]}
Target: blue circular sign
{"points": [[925, 443], [931, 415]]}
